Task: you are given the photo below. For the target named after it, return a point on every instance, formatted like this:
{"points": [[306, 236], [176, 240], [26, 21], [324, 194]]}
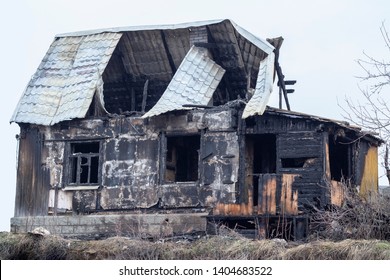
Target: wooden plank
{"points": [[336, 193], [369, 183], [32, 186], [327, 161], [289, 198], [267, 194]]}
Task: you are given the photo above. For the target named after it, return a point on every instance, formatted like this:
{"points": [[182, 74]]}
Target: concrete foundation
{"points": [[102, 226]]}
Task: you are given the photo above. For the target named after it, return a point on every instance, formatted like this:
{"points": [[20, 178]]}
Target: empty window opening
{"points": [[260, 159], [182, 158], [339, 159], [300, 162], [84, 163]]}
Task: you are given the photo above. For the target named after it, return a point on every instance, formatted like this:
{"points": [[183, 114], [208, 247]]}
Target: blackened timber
{"points": [[169, 55], [162, 157], [281, 79], [201, 158], [78, 139], [206, 45], [144, 96], [132, 100], [242, 194]]}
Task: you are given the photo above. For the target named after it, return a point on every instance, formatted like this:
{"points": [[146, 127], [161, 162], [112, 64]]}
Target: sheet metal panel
{"points": [[143, 53], [260, 43], [257, 104], [194, 83], [65, 82], [63, 86]]}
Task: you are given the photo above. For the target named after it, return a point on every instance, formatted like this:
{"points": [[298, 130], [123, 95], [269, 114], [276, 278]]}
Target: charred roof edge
{"points": [[263, 44]]}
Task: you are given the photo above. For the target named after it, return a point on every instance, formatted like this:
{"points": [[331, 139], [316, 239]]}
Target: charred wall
{"points": [[188, 160], [132, 156], [299, 150]]}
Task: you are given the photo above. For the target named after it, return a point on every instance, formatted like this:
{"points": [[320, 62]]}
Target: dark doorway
{"points": [[261, 159], [340, 164]]}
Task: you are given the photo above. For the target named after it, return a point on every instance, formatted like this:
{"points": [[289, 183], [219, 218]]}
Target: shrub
{"points": [[357, 218]]}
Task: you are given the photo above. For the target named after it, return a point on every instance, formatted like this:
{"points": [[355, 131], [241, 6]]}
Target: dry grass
{"points": [[27, 247], [355, 231], [232, 246], [343, 250]]}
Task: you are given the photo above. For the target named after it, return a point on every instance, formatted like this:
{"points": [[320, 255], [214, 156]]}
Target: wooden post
{"points": [[144, 96]]}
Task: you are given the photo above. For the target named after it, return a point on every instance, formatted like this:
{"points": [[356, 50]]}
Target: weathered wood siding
{"points": [[130, 168], [275, 196], [369, 181], [219, 163], [32, 183], [132, 159], [309, 183]]}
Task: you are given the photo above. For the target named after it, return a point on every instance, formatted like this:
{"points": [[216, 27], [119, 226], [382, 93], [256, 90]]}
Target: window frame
{"points": [[70, 183], [164, 158]]}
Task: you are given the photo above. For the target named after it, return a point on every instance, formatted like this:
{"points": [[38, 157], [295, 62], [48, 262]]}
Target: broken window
{"points": [[182, 158], [300, 162], [84, 163], [339, 159]]}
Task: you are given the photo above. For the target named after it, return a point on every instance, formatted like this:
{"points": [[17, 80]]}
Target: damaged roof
{"points": [[193, 83], [113, 66], [368, 135], [63, 86]]}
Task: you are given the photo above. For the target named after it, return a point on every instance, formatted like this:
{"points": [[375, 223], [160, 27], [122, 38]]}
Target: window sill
{"points": [[80, 188], [183, 184]]}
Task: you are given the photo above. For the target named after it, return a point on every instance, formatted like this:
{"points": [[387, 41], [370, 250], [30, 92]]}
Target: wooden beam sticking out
{"points": [[145, 95], [281, 82]]}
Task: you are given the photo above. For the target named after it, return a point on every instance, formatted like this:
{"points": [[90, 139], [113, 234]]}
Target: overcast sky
{"points": [[323, 40]]}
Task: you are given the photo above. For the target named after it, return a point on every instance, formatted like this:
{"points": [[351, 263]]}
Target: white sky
{"points": [[323, 40]]}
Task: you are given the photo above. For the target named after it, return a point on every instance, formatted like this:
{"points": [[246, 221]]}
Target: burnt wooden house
{"points": [[161, 130]]}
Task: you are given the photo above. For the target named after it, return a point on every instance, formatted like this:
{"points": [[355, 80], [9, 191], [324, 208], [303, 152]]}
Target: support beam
{"points": [[281, 83]]}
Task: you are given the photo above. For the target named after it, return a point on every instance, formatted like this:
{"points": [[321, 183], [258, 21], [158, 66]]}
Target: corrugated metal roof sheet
{"points": [[66, 80], [262, 93], [194, 83], [64, 84]]}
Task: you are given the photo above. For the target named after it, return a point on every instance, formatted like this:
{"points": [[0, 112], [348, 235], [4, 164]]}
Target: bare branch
{"points": [[372, 110]]}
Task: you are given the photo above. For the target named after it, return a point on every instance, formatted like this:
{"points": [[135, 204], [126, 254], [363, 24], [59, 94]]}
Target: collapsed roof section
{"points": [[152, 69], [193, 83]]}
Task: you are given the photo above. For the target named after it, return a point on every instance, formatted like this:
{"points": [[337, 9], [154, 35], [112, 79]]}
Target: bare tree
{"points": [[373, 112]]}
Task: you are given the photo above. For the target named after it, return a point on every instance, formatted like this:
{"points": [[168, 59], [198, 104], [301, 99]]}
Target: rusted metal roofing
{"points": [[66, 80], [256, 105], [193, 83], [116, 63]]}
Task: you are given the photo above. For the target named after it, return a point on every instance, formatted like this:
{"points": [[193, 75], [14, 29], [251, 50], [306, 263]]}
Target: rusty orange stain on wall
{"points": [[267, 194], [289, 198], [369, 183], [267, 200]]}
